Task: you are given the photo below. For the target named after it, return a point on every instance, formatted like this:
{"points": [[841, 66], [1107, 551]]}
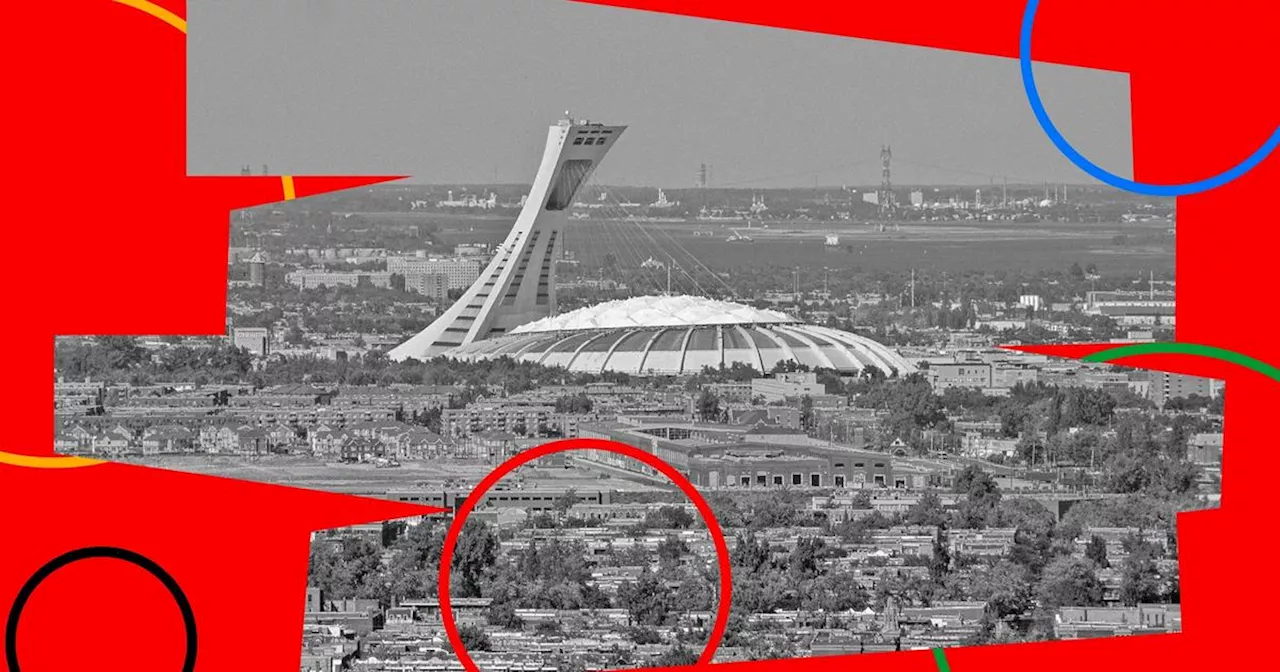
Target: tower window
{"points": [[566, 183]]}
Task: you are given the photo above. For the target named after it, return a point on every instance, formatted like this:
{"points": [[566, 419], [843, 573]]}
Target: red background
{"points": [[111, 236]]}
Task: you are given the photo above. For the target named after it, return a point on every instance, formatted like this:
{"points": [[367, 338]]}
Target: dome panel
{"points": [[655, 311], [681, 335]]}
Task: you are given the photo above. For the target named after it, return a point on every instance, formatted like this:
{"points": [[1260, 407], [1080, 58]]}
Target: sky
{"points": [[461, 91]]}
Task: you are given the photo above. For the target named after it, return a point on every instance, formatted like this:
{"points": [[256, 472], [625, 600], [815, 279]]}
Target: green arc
{"points": [[940, 658], [1207, 351]]}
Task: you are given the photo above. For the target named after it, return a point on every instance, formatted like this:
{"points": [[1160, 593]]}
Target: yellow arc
{"points": [[157, 11], [46, 462]]}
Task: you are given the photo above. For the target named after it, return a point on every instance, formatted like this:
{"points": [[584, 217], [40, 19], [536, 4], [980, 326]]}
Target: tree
{"points": [[121, 352], [645, 636], [473, 557], [503, 615], [676, 657], [668, 518], [645, 599], [910, 401], [803, 560], [672, 549], [748, 553], [1067, 581], [474, 638], [565, 501], [1087, 406], [1096, 551], [346, 568], [577, 403], [708, 405], [1006, 587], [1139, 577], [416, 555], [838, 591], [940, 562], [981, 496], [927, 511], [806, 412]]}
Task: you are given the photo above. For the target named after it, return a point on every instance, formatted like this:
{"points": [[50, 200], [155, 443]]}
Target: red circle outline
{"points": [[464, 511]]}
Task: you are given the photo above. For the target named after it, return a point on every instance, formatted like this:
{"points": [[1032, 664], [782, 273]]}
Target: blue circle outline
{"points": [[1099, 173]]}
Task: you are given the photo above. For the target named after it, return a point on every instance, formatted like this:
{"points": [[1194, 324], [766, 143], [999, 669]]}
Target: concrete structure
{"points": [[254, 339], [434, 286], [1133, 308], [458, 272], [1166, 386], [510, 310], [782, 386], [258, 270], [517, 287], [674, 335], [723, 456], [1205, 449], [946, 376], [317, 279]]}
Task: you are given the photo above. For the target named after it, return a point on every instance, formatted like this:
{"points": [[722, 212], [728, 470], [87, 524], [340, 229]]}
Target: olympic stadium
{"points": [[511, 311], [665, 335]]}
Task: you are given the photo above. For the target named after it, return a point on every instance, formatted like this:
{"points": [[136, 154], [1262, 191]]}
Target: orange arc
{"points": [[157, 11], [46, 462]]}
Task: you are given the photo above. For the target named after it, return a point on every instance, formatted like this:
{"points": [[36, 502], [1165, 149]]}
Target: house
{"points": [[282, 437], [74, 441], [417, 443], [218, 440], [1205, 449], [252, 441], [359, 449], [168, 439], [115, 441], [325, 441]]}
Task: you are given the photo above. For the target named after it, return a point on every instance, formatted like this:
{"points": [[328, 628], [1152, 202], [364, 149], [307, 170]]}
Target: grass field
{"points": [[947, 246]]}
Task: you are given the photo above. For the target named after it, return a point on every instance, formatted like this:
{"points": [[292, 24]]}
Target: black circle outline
{"points": [[112, 552]]}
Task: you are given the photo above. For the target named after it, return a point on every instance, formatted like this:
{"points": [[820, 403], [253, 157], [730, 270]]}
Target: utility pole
{"points": [[913, 288], [886, 183]]}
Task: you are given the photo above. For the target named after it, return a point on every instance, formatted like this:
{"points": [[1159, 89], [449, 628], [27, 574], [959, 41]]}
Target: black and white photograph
{"points": [[783, 263]]}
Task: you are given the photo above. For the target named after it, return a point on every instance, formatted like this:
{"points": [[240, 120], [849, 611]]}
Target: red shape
{"points": [[1198, 107], [108, 234], [82, 593], [238, 550], [1187, 365], [525, 457]]}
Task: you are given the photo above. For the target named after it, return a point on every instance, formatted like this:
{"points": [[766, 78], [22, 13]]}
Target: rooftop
{"points": [[656, 311]]}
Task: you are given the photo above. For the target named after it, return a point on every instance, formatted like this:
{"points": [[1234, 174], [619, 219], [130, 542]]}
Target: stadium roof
{"points": [[681, 335], [656, 311]]}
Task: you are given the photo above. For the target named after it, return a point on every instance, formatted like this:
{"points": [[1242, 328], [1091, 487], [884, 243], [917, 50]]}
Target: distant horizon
{"points": [[821, 187]]}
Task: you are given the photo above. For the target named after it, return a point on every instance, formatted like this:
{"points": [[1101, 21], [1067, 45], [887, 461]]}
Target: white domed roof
{"points": [[655, 311], [685, 349]]}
